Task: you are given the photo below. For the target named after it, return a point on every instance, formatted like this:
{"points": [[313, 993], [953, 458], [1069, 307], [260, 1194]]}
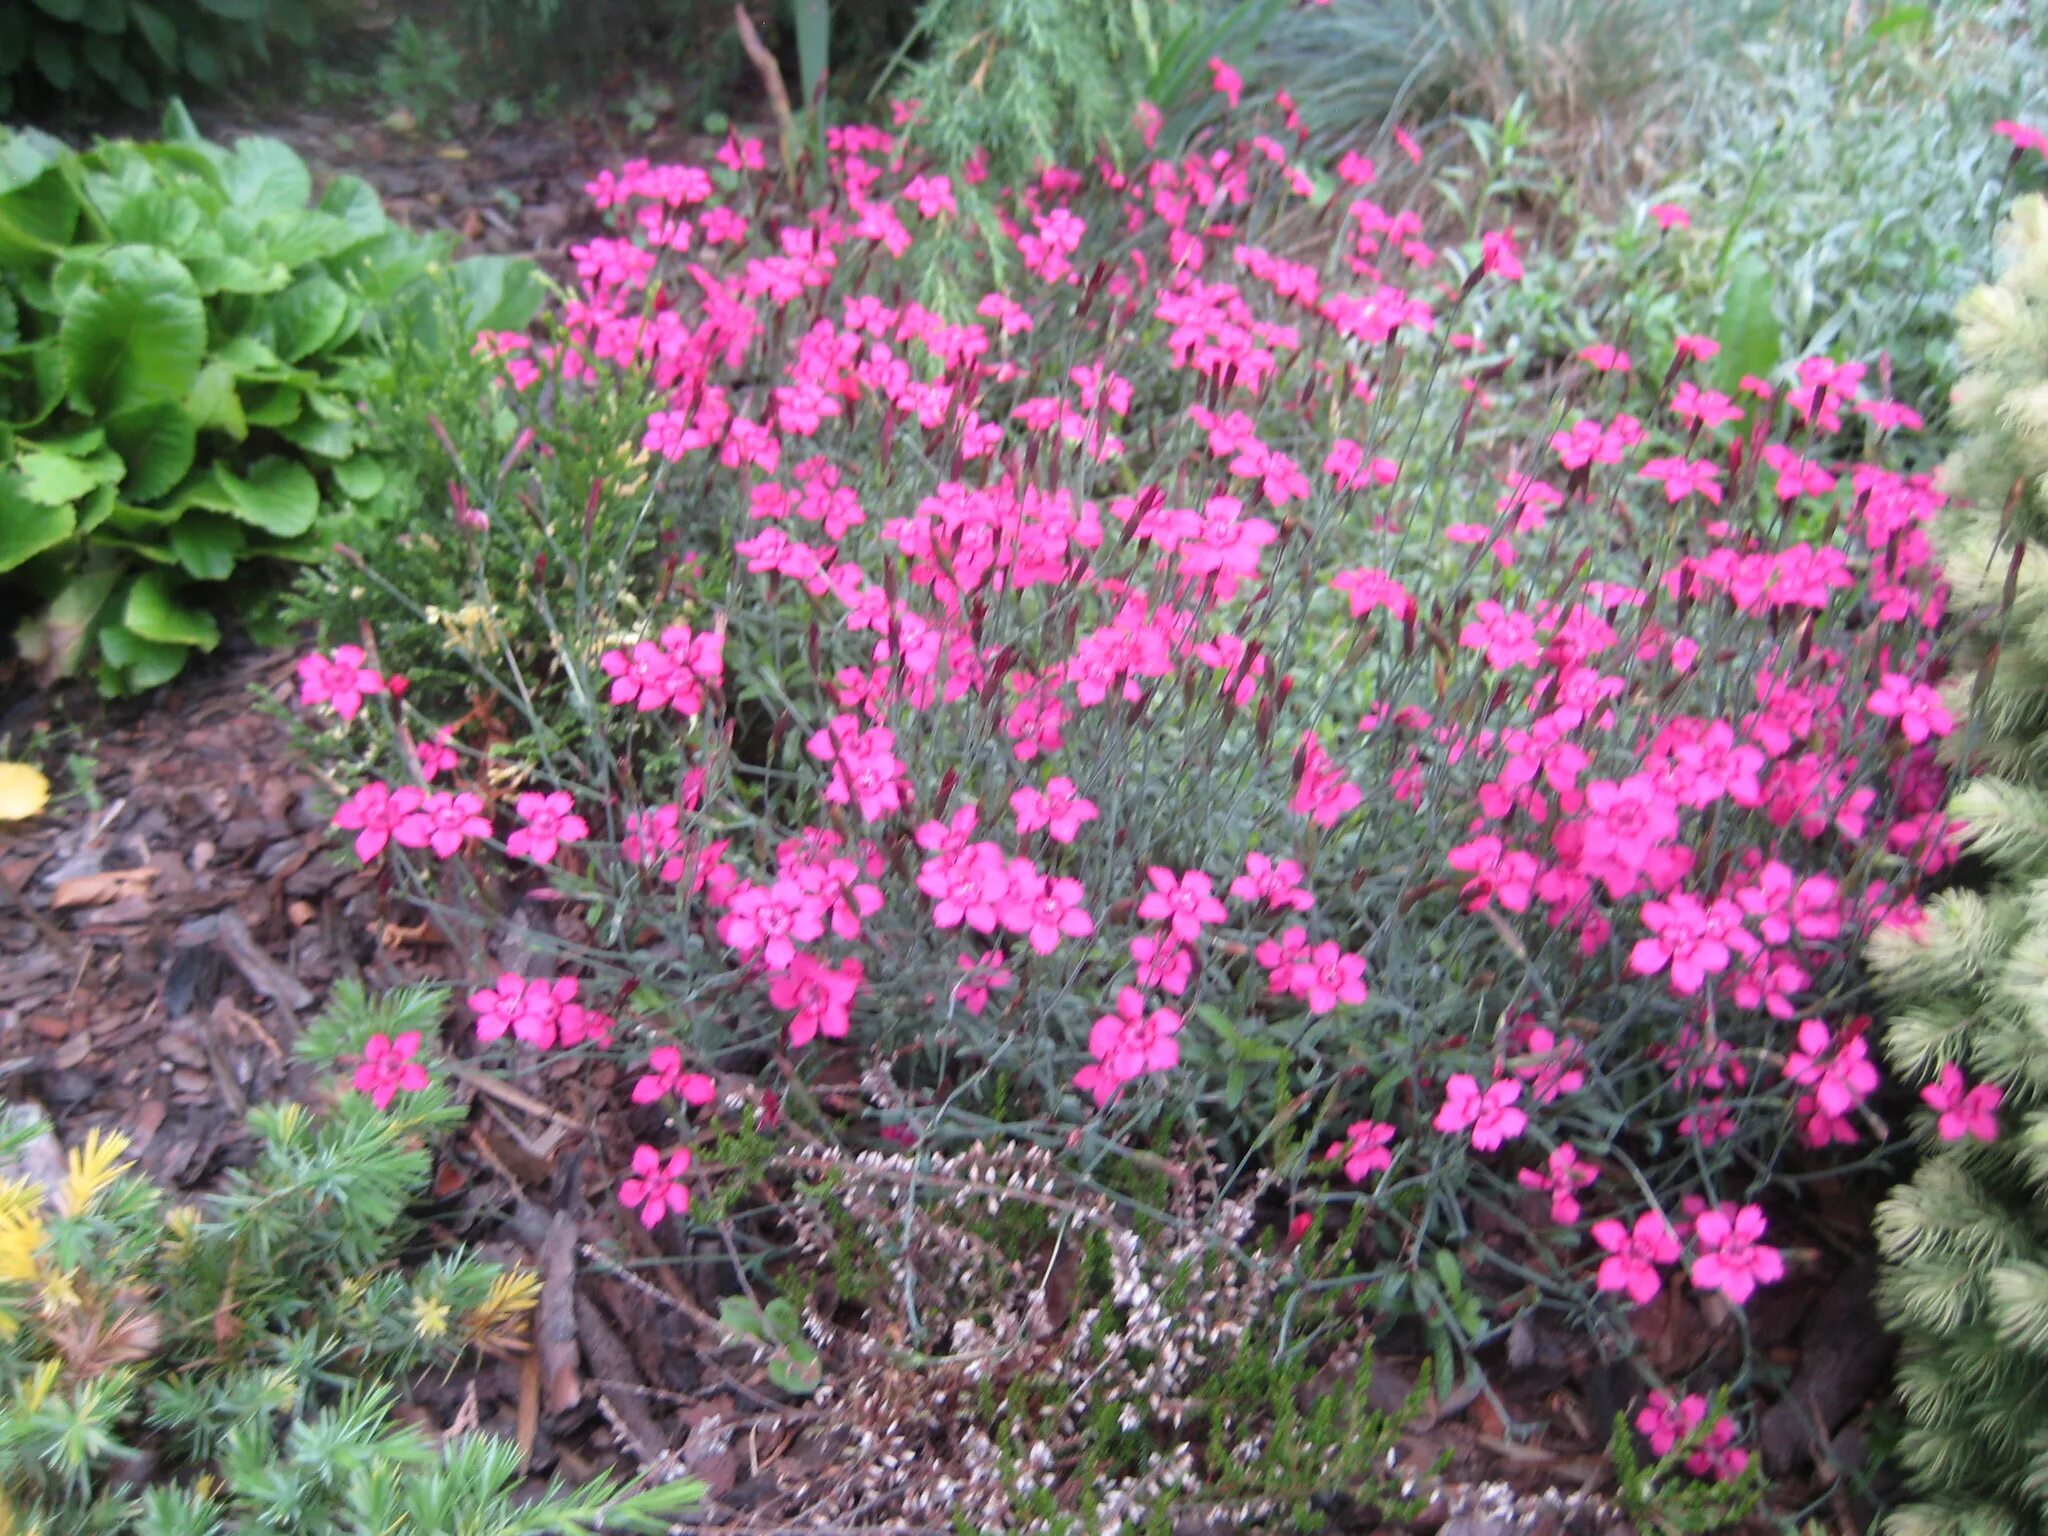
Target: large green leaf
{"points": [[214, 404], [278, 495], [155, 612], [266, 175], [51, 477], [1748, 329], [135, 334], [133, 664], [306, 317], [38, 213], [157, 443], [499, 293], [208, 546], [28, 528]]}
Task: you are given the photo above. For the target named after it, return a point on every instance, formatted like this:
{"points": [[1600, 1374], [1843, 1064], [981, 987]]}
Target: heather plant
{"points": [[1966, 1240], [1185, 713], [235, 1364], [184, 334]]}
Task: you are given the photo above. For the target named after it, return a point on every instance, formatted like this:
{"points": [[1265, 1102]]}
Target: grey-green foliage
{"points": [[1965, 1242], [185, 334]]}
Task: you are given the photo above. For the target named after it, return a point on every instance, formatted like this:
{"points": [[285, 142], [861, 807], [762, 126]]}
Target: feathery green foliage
{"points": [[235, 1365], [1966, 1242]]}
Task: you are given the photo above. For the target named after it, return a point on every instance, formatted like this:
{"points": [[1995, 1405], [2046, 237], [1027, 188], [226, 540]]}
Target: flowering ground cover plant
{"points": [[1164, 713]]}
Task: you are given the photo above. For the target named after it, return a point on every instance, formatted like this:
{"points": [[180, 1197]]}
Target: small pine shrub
{"points": [[235, 1364], [1966, 1240]]}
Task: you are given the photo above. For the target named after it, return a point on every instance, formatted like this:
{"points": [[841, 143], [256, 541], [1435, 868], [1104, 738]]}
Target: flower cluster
{"points": [[1104, 718]]}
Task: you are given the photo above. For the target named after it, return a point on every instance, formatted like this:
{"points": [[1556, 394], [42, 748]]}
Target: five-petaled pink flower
{"points": [[1562, 1176], [665, 1078], [1964, 1111], [374, 813], [656, 1187], [1917, 707], [1732, 1257], [1184, 902], [1634, 1255], [342, 679], [444, 821], [551, 821], [1367, 1149], [388, 1068], [1490, 1114], [1059, 809]]}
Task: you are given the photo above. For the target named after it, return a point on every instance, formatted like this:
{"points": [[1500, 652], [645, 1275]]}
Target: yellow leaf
{"points": [[23, 792], [92, 1168]]}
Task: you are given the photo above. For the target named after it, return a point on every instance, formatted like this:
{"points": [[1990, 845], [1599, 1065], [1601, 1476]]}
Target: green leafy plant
{"points": [[1966, 1241], [77, 51], [184, 334], [235, 1365], [792, 1358]]}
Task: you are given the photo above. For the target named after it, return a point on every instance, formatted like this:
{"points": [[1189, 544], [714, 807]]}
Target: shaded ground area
{"points": [[168, 926]]}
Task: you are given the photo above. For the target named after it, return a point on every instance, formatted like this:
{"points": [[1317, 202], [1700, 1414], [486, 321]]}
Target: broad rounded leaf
{"points": [[207, 546], [134, 333], [277, 495], [266, 175], [27, 528], [306, 317], [154, 612], [156, 442], [133, 664]]}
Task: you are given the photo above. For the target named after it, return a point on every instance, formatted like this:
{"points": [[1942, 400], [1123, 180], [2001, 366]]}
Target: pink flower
{"points": [[445, 822], [1840, 1073], [1732, 1258], [1060, 809], [1508, 639], [1917, 707], [1278, 885], [1489, 1114], [1370, 588], [656, 1188], [540, 1013], [1226, 82], [769, 921], [1365, 1150], [1964, 1111], [1695, 940], [983, 975], [1184, 902], [820, 996], [1670, 216], [1047, 911], [1322, 792], [551, 820], [1667, 1424], [2023, 138], [1497, 254], [1562, 1177], [388, 1068], [665, 1078], [342, 680], [1127, 1044], [1603, 358], [1796, 476], [1634, 1254], [374, 813], [1701, 348], [1685, 477]]}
